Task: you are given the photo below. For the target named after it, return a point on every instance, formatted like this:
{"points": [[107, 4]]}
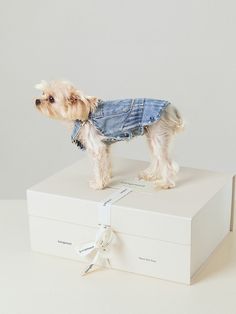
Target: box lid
{"points": [[147, 211]]}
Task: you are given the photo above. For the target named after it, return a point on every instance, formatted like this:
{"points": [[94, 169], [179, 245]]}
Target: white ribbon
{"points": [[105, 235], [100, 246]]}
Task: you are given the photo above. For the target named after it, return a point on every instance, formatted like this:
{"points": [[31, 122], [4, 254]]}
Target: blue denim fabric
{"points": [[119, 120]]}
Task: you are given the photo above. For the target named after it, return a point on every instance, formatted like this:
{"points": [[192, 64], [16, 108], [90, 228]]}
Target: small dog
{"points": [[96, 124]]}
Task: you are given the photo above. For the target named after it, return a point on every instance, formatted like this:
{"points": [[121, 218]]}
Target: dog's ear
{"points": [[41, 86], [78, 106], [73, 99]]}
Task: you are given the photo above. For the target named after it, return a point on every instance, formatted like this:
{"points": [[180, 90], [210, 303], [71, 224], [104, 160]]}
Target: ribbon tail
{"points": [[87, 269], [108, 262], [90, 267]]}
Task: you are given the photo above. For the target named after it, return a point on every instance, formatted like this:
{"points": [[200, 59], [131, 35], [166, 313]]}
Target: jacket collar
{"points": [[77, 126]]}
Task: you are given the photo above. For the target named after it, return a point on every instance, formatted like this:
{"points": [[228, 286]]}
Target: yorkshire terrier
{"points": [[96, 124]]}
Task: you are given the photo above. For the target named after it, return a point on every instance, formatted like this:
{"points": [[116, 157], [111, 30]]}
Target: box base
{"points": [[146, 256]]}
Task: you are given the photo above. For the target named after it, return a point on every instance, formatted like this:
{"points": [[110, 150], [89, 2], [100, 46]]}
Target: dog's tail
{"points": [[175, 118]]}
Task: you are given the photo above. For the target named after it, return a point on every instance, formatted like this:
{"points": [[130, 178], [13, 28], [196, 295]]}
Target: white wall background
{"points": [[183, 51]]}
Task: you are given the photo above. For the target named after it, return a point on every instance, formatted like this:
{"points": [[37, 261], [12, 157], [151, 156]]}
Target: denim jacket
{"points": [[119, 120]]}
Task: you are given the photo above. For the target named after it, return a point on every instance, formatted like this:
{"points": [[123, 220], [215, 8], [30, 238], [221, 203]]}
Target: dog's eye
{"points": [[51, 99]]}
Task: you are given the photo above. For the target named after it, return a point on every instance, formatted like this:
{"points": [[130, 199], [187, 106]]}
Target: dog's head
{"points": [[61, 100]]}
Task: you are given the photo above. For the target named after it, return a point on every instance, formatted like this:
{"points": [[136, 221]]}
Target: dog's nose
{"points": [[37, 102]]}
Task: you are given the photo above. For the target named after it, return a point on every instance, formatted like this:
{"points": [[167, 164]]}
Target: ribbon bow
{"points": [[100, 246]]}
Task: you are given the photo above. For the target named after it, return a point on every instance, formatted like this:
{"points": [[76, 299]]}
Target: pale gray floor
{"points": [[32, 283]]}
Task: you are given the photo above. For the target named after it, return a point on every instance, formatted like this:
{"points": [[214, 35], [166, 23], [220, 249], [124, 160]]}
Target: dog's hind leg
{"points": [[167, 168], [151, 172], [162, 169]]}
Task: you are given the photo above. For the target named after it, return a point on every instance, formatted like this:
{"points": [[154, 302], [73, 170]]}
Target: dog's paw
{"points": [[147, 175], [96, 185], [165, 184]]}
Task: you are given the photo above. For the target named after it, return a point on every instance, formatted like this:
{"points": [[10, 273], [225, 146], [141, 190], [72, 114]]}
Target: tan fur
{"points": [[71, 104]]}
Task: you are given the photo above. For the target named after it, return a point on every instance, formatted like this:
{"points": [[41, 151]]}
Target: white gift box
{"points": [[166, 234]]}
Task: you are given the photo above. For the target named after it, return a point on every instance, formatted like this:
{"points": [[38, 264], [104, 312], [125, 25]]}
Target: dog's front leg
{"points": [[100, 169], [108, 162]]}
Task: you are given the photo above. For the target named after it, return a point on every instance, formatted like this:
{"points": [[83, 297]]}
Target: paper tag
{"points": [[137, 185]]}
